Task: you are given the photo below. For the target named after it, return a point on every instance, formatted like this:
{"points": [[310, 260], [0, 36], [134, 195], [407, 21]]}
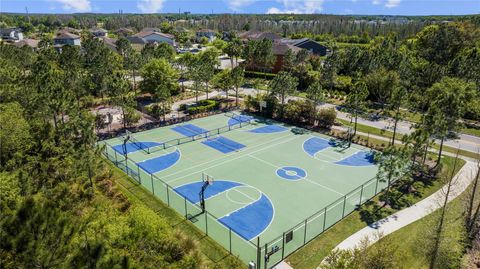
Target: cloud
{"points": [[392, 3], [150, 6], [298, 7], [75, 5], [238, 4], [376, 2]]}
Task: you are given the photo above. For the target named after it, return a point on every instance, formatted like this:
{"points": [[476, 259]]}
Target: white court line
{"points": [[228, 160], [306, 178], [240, 208]]}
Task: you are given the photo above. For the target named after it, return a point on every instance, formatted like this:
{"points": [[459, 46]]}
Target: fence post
{"points": [[230, 240], [153, 188], [283, 245], [265, 259], [116, 160], [138, 171], [168, 196], [361, 193], [305, 232], [259, 251], [206, 223], [376, 186], [185, 200], [344, 203], [324, 218]]}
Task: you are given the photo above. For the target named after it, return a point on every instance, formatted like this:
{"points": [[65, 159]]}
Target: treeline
{"points": [[59, 205], [334, 25]]}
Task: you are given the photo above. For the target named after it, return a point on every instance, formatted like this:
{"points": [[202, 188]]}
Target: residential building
{"points": [[99, 32], [124, 32], [111, 43], [279, 50], [308, 44], [32, 43], [11, 34], [66, 38], [149, 36], [210, 34]]}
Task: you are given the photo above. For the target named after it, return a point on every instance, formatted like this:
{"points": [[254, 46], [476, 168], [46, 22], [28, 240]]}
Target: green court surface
{"points": [[274, 190]]}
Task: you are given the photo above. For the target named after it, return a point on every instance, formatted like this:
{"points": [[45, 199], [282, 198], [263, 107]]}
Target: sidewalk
{"points": [[411, 214]]}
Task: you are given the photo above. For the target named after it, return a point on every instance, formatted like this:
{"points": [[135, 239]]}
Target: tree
{"points": [[207, 62], [316, 94], [120, 94], [282, 86], [233, 50], [223, 80], [185, 63], [392, 164], [450, 97], [381, 84], [396, 100], [237, 77], [356, 102], [15, 133]]}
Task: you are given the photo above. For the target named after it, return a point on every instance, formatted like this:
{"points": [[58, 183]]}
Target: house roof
{"points": [[7, 31], [205, 31], [282, 48], [255, 35], [294, 42], [98, 30], [33, 43], [111, 43], [66, 35], [136, 40], [124, 30], [144, 34]]}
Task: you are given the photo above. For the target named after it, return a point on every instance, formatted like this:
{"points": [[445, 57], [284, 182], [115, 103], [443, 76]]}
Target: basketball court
{"points": [[258, 188]]}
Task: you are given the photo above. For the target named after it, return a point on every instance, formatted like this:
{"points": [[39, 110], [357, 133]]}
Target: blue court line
{"points": [[361, 158], [223, 144], [191, 191], [315, 144], [299, 173], [132, 147], [269, 129], [189, 130], [251, 220], [239, 119], [160, 163]]}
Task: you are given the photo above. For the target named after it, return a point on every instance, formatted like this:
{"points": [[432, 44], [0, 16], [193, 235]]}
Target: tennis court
{"points": [[274, 189]]}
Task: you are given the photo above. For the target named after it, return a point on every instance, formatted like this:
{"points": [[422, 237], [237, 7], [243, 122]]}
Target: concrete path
{"points": [[411, 214]]}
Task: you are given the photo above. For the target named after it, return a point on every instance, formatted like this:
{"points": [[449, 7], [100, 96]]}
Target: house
{"points": [[210, 34], [11, 34], [124, 32], [307, 44], [66, 38], [149, 36], [99, 32], [279, 50], [111, 43], [255, 35], [32, 43]]}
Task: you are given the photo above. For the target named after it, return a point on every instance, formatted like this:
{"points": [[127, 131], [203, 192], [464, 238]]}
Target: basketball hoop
{"points": [[207, 181]]}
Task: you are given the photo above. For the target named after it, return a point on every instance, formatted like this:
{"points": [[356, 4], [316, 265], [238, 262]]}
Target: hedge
{"points": [[254, 74], [202, 106]]}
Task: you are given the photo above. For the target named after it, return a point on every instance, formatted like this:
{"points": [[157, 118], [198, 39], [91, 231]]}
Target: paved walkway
{"points": [[411, 214]]}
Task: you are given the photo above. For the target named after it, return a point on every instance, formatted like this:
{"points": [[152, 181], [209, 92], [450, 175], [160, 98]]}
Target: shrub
{"points": [[326, 117], [203, 106]]}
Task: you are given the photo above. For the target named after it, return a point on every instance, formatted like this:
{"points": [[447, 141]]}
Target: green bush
{"points": [[203, 106], [253, 74], [326, 117]]}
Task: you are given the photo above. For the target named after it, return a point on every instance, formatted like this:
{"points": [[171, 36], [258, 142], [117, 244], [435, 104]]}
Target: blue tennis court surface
{"points": [[132, 147], [223, 144], [269, 129], [239, 119], [160, 163], [189, 130], [316, 144], [251, 220], [191, 191], [361, 158], [291, 173]]}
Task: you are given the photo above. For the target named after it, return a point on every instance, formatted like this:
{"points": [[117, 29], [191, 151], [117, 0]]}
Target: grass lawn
{"points": [[213, 252], [471, 131], [388, 134], [314, 252], [406, 240]]}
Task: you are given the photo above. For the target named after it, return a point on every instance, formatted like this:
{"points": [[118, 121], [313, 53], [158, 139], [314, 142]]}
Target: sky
{"points": [[342, 7]]}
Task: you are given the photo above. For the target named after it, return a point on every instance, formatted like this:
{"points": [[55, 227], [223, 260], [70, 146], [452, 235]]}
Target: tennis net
{"points": [[135, 142], [242, 119]]}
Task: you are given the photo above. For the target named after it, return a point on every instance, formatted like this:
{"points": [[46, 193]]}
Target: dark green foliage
{"points": [[202, 106]]}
